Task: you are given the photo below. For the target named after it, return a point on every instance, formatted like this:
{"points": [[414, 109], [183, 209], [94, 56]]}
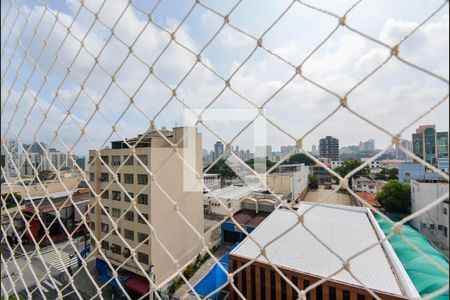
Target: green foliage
{"points": [[9, 200], [299, 158], [313, 181], [395, 197], [387, 174], [251, 163], [350, 165], [13, 297], [190, 270], [221, 167]]}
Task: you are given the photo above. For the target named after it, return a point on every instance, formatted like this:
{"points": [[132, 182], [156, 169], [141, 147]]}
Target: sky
{"points": [[37, 91]]}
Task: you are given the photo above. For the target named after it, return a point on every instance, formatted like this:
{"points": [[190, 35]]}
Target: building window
{"points": [[140, 220], [360, 297], [117, 249], [92, 177], [129, 216], [262, 278], [92, 210], [244, 282], [128, 178], [305, 285], [440, 227], [294, 292], [445, 231], [143, 199], [104, 177], [106, 209], [432, 226], [116, 195], [273, 290], [91, 159], [143, 258], [128, 199], [129, 161], [283, 289], [143, 159], [126, 252], [142, 179], [105, 159], [116, 212], [92, 225], [319, 293], [345, 295], [332, 293], [115, 160], [105, 194], [142, 237], [129, 234], [105, 228], [253, 283], [444, 210], [117, 231], [118, 178], [105, 245]]}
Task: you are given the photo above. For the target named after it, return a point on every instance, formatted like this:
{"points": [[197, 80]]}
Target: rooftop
{"points": [[335, 225], [249, 217], [230, 192], [369, 198]]}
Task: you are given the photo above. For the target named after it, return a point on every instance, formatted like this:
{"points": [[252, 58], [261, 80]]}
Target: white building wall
{"points": [[299, 182], [12, 158], [433, 223]]}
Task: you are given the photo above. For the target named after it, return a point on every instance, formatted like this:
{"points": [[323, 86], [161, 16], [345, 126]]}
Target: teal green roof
{"points": [[426, 277]]}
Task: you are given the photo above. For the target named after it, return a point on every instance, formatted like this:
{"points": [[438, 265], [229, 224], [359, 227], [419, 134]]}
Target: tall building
{"points": [[173, 181], [367, 146], [285, 150], [12, 153], [329, 148], [399, 154], [218, 149], [314, 150], [429, 144]]}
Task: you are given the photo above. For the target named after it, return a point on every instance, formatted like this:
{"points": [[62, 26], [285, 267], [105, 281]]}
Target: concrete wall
{"points": [[423, 193]]}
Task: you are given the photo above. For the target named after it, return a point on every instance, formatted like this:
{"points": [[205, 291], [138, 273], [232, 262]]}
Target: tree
{"points": [[387, 174], [299, 158], [222, 168], [313, 181], [251, 163], [8, 199], [395, 197], [348, 166]]}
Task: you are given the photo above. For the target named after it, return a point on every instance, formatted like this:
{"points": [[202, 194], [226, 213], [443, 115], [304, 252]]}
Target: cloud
{"points": [[338, 65]]}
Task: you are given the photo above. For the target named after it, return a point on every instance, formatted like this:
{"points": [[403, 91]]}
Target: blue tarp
{"points": [[215, 278]]}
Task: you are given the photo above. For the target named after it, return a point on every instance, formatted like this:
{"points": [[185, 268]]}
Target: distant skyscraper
{"points": [[285, 150], [367, 146], [399, 154], [11, 158], [314, 150], [429, 144], [218, 149], [329, 148]]}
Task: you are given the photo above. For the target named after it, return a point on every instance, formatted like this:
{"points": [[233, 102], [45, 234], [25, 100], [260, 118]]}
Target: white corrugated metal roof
{"points": [[343, 229], [231, 192]]}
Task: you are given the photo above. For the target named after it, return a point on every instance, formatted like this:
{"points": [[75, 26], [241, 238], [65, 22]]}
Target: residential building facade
{"points": [[329, 148], [143, 199], [367, 185], [12, 153], [434, 223]]}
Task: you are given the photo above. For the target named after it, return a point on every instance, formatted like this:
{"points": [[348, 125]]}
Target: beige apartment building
{"points": [[173, 181]]}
